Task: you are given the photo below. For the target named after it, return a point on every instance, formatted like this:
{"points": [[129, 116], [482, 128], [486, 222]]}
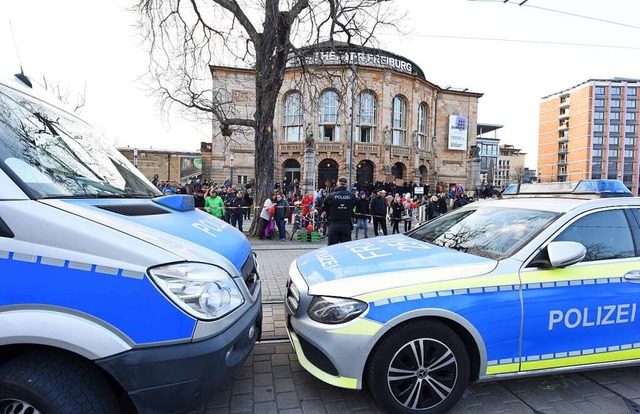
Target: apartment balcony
{"points": [[563, 149], [400, 152], [563, 138], [367, 148], [564, 126], [564, 103], [291, 148], [562, 160], [329, 147], [564, 114]]}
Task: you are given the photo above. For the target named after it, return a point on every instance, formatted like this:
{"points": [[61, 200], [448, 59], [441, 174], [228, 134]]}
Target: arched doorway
{"points": [[291, 170], [364, 173], [398, 170], [327, 172]]}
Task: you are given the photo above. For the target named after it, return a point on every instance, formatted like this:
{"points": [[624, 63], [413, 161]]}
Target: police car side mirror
{"points": [[565, 253]]}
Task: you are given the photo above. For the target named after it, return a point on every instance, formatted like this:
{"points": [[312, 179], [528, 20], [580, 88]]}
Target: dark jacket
{"points": [[396, 209], [236, 206], [442, 204], [362, 208], [433, 209], [339, 205], [379, 206], [282, 210]]}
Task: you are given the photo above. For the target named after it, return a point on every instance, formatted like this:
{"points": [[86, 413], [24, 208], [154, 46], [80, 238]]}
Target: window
{"points": [[422, 126], [629, 141], [597, 153], [599, 90], [615, 90], [368, 117], [293, 118], [598, 115], [631, 129], [630, 116], [631, 103], [632, 91], [628, 153], [598, 128], [605, 234], [329, 116], [613, 140], [599, 103], [614, 128], [612, 153], [597, 140], [399, 121], [614, 115], [615, 103]]}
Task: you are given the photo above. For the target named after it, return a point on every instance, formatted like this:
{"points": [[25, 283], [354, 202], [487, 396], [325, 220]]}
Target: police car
{"points": [[537, 283], [112, 297]]}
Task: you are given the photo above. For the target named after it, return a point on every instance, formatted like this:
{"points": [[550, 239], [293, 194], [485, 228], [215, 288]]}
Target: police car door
{"points": [[586, 313]]}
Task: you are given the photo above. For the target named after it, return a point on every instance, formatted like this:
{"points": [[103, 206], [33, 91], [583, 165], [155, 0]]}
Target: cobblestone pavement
{"points": [[272, 380]]}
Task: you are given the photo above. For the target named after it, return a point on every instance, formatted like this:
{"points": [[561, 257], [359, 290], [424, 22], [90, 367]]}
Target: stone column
{"points": [[473, 175], [309, 177]]}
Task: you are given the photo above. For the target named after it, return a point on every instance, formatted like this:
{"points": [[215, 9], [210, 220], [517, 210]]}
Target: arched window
{"points": [[329, 116], [422, 126], [293, 118], [367, 117], [399, 121]]}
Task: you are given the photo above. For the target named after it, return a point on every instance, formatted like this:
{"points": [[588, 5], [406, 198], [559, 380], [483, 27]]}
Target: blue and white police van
{"points": [[546, 281], [112, 298]]}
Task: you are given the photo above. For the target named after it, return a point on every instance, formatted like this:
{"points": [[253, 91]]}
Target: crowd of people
{"points": [[344, 209]]}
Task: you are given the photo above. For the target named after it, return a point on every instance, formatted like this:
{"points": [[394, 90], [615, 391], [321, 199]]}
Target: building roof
{"points": [[616, 79], [486, 128]]}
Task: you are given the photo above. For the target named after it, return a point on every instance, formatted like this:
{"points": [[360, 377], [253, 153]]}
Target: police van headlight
{"points": [[203, 291], [329, 310]]}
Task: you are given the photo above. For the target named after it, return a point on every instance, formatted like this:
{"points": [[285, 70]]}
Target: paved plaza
{"points": [[273, 381]]}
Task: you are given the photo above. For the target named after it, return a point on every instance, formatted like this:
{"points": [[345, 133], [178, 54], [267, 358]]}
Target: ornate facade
{"points": [[366, 114]]}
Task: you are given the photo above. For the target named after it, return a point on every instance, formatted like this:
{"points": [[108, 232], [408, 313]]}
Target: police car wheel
{"points": [[420, 367], [54, 383]]}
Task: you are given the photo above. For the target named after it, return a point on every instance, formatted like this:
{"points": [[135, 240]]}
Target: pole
{"points": [[231, 169], [353, 109]]}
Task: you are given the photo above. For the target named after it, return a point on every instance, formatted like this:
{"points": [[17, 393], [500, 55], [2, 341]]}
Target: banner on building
{"points": [[458, 132]]}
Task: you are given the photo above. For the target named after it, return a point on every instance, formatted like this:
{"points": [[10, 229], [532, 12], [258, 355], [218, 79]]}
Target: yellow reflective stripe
{"points": [[462, 283], [343, 382], [580, 271], [361, 327], [582, 360], [502, 369]]}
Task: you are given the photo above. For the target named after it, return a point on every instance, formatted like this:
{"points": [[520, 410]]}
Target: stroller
{"points": [[303, 221]]}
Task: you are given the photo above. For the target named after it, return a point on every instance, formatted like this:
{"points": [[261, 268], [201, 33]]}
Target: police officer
{"points": [[338, 208]]}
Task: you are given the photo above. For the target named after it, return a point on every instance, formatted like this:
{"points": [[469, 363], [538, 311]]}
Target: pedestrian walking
{"points": [[237, 210], [363, 213], [378, 210]]}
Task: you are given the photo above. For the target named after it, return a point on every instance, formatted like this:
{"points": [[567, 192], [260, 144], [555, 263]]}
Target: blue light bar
{"points": [[593, 188], [177, 202]]}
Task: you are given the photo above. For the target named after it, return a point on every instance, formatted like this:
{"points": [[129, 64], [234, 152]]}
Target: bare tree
{"points": [[186, 37], [64, 94], [516, 175]]}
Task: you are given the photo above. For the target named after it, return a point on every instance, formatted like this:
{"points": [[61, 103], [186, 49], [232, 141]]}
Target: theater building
{"points": [[368, 114]]}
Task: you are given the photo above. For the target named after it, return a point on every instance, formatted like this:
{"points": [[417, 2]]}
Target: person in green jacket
{"points": [[213, 204]]}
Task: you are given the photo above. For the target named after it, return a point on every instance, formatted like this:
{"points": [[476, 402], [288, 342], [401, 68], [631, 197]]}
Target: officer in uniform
{"points": [[338, 208]]}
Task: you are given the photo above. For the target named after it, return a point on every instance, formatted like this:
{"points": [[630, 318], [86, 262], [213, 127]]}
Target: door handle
{"points": [[633, 276]]}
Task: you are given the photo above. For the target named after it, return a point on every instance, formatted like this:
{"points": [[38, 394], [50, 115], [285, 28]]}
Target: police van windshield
{"points": [[55, 155], [494, 233]]}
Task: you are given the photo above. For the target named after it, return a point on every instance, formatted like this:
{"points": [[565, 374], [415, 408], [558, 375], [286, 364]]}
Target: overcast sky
{"points": [[78, 42]]}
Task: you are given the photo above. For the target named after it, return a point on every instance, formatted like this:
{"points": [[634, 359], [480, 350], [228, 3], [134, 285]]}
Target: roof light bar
{"points": [[582, 189]]}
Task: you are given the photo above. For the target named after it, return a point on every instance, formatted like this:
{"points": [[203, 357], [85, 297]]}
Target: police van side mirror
{"points": [[558, 255], [565, 253]]}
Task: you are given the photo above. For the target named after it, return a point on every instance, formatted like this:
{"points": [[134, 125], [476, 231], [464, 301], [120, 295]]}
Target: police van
{"points": [[545, 281], [112, 298]]}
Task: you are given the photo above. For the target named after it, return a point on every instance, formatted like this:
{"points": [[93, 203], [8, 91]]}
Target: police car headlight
{"points": [[332, 311], [203, 291]]}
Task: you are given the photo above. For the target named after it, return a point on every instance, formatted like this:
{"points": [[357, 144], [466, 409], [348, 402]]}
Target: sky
{"points": [[548, 46]]}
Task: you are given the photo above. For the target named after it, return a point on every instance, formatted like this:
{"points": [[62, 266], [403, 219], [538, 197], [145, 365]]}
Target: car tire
{"points": [[420, 367], [54, 383]]}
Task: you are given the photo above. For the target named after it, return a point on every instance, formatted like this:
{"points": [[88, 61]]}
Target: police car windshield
{"points": [[489, 232], [55, 155]]}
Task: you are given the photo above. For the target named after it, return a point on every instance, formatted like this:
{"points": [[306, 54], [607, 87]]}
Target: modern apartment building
{"points": [[591, 131], [510, 166]]}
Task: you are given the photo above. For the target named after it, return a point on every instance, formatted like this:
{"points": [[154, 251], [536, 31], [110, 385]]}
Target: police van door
{"points": [[589, 312]]}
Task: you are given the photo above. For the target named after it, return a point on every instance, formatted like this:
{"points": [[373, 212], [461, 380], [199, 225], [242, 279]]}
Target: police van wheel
{"points": [[420, 367], [54, 384]]}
